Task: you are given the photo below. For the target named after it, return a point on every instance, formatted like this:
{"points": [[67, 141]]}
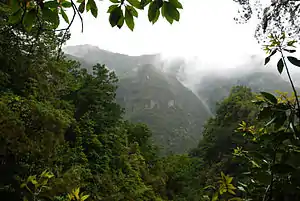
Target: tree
{"points": [[35, 13], [275, 17]]}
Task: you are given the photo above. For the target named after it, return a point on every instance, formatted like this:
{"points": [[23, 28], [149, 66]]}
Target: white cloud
{"points": [[206, 30]]}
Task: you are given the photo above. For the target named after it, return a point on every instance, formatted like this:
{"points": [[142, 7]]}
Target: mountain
{"points": [[150, 95], [212, 88], [122, 64], [159, 94]]}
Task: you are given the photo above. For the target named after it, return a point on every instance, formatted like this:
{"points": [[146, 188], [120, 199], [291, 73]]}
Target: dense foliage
{"points": [[63, 136], [61, 129]]}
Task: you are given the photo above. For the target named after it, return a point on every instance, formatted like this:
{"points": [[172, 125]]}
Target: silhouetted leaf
{"points": [[280, 66], [121, 21], [267, 59], [93, 8], [81, 7], [290, 51], [269, 97], [294, 61], [115, 16]]}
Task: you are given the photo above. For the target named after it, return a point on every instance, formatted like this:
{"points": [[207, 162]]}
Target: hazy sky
{"points": [[206, 29]]}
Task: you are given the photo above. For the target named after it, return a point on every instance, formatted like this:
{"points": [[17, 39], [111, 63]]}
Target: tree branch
{"points": [[66, 30], [291, 81]]}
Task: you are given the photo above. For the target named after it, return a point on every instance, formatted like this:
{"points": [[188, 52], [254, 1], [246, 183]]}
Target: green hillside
{"points": [[213, 89], [173, 112]]}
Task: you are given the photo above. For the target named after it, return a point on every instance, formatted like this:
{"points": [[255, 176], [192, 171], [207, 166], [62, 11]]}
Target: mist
{"points": [[207, 39]]}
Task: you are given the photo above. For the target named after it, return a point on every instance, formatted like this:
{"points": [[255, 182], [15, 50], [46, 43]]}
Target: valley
{"points": [[156, 93]]}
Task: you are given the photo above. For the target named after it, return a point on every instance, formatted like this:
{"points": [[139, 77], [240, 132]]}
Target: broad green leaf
{"points": [[171, 11], [294, 61], [115, 1], [64, 15], [135, 3], [115, 16], [129, 19], [132, 10], [15, 5], [81, 7], [51, 4], [15, 17], [269, 97], [94, 12], [51, 16], [111, 8], [93, 7], [88, 7], [152, 11], [156, 16], [282, 168], [29, 19], [176, 3], [166, 14], [121, 21], [267, 59], [280, 66], [66, 4]]}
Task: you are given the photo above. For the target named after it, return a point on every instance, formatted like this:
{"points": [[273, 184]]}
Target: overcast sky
{"points": [[206, 29]]}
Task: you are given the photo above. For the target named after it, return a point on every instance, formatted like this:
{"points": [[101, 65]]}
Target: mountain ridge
{"points": [[158, 93]]}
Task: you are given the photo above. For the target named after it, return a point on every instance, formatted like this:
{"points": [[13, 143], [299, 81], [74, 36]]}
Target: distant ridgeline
{"points": [[156, 97]]}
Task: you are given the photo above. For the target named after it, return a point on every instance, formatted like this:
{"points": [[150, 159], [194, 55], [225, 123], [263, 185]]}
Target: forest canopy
{"points": [[63, 136]]}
